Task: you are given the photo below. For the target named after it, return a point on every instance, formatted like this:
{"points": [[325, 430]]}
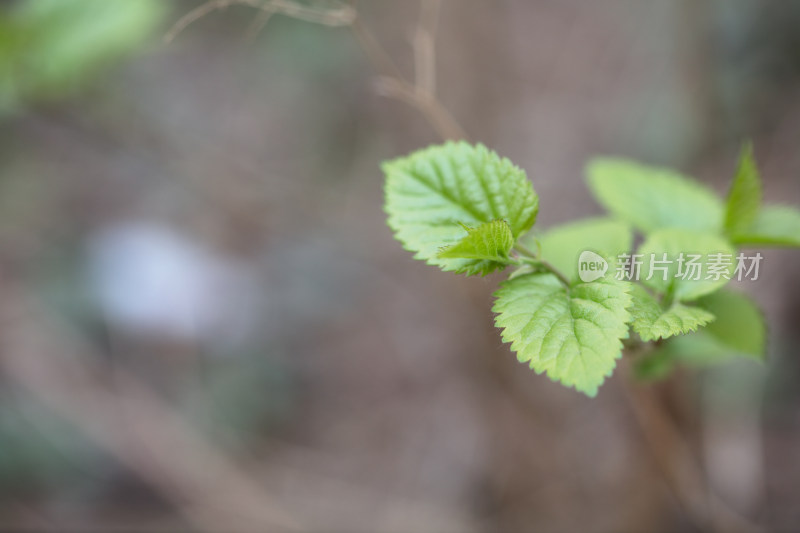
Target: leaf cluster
{"points": [[467, 210]]}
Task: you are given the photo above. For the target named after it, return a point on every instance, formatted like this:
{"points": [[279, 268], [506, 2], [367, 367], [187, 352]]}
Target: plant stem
{"points": [[524, 250], [669, 296], [538, 261]]}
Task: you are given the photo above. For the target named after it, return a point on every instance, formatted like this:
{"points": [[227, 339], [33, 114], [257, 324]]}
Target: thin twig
{"points": [[424, 47], [193, 16], [343, 15], [441, 119], [392, 83], [537, 261], [259, 23], [381, 61]]}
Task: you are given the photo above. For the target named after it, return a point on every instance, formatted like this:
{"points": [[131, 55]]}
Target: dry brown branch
{"points": [[343, 15], [193, 16], [441, 120], [258, 24], [381, 61], [424, 47], [420, 95]]}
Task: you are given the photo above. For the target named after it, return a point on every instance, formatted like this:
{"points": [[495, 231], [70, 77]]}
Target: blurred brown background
{"points": [[205, 324]]}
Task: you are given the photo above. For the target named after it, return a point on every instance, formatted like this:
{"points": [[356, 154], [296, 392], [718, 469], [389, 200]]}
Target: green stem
{"points": [[669, 296], [532, 259], [524, 250]]}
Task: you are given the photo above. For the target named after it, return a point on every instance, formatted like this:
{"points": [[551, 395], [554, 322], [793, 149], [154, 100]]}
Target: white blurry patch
{"points": [[150, 280]]}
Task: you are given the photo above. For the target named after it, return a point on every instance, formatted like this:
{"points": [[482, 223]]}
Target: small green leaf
{"points": [[739, 330], [574, 336], [774, 226], [433, 192], [651, 198], [489, 243], [562, 246], [652, 322], [673, 274], [744, 197]]}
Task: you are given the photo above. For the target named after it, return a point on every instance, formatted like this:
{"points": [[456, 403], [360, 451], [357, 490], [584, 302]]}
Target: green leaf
{"points": [[432, 192], [744, 197], [650, 198], [711, 252], [774, 226], [695, 350], [574, 336], [562, 246], [59, 44], [489, 243], [652, 322], [698, 349], [740, 325], [739, 330]]}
